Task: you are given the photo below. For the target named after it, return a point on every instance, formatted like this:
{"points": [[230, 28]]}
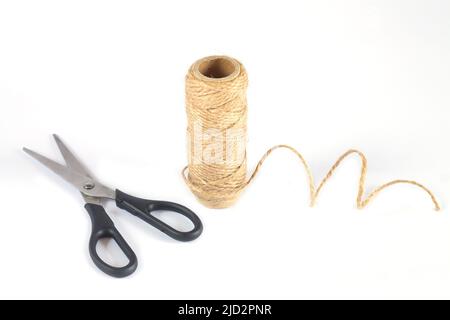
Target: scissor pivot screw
{"points": [[89, 186]]}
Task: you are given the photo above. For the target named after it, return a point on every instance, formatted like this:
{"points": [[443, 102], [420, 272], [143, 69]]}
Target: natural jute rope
{"points": [[216, 109]]}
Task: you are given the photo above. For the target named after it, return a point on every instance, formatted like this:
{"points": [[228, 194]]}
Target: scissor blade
{"points": [[71, 160], [67, 174]]}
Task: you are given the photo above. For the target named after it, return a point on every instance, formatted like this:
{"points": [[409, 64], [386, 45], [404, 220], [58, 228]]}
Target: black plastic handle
{"points": [[142, 208], [103, 228]]}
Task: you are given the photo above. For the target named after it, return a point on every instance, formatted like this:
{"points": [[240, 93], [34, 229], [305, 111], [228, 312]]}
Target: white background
{"points": [[325, 76]]}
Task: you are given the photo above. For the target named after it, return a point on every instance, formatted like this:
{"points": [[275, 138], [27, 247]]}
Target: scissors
{"points": [[94, 193]]}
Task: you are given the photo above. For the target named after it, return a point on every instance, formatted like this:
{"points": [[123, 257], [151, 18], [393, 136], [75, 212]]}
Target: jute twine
{"points": [[216, 102]]}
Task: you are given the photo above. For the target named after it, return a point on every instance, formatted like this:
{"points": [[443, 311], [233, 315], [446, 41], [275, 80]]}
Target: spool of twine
{"points": [[216, 107]]}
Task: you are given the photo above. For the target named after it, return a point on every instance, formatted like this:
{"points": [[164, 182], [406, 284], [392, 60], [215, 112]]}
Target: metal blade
{"points": [[71, 160], [67, 174], [86, 185]]}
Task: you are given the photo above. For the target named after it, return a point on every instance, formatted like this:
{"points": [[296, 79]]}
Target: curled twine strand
{"points": [[314, 193], [222, 104]]}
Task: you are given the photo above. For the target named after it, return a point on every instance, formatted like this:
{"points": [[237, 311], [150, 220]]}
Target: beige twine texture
{"points": [[216, 98]]}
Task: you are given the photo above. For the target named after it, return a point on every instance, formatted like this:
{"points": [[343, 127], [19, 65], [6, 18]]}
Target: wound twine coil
{"points": [[216, 107]]}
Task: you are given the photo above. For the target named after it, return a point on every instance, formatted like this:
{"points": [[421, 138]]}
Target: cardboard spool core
{"points": [[217, 68]]}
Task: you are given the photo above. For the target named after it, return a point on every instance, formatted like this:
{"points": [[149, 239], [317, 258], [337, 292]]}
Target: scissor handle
{"points": [[103, 228], [143, 208]]}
